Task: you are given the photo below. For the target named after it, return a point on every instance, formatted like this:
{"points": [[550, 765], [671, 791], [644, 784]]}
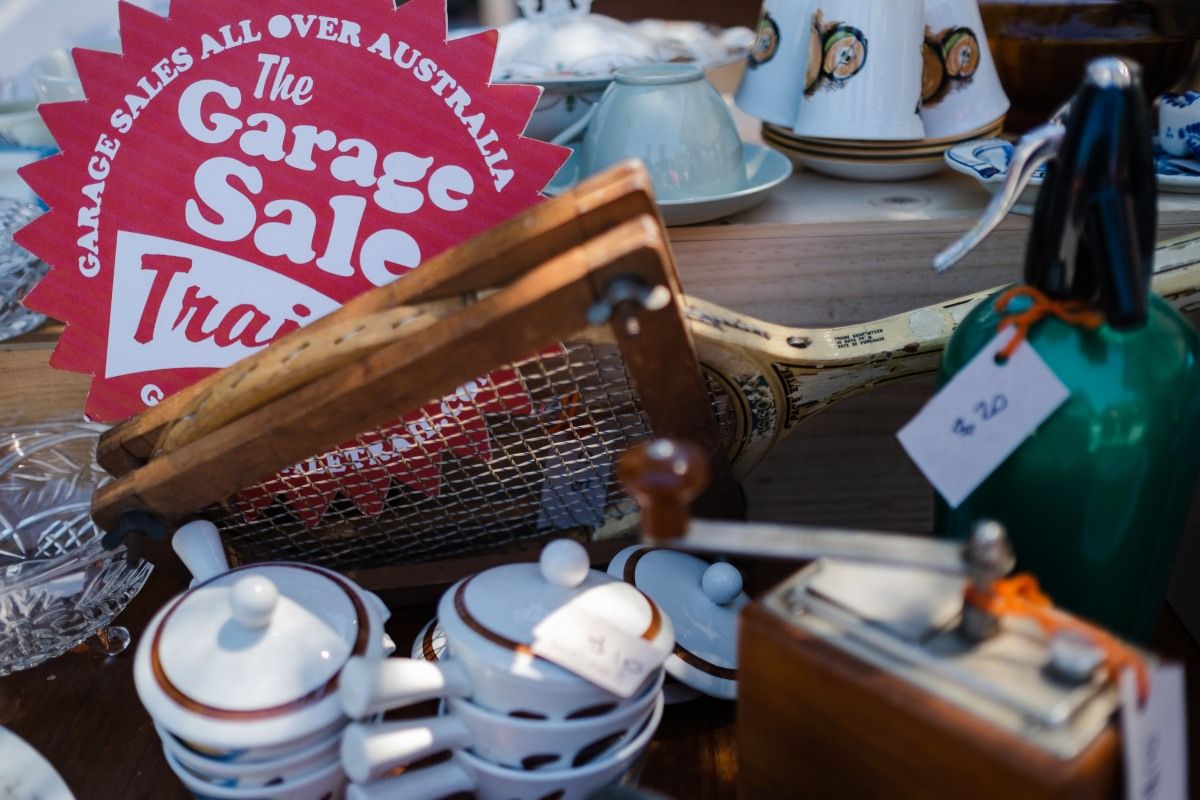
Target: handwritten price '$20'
{"points": [[983, 411]]}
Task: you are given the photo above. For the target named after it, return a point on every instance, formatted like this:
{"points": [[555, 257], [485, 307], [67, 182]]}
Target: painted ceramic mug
{"points": [[960, 89], [1179, 124], [770, 89], [671, 118], [866, 83]]}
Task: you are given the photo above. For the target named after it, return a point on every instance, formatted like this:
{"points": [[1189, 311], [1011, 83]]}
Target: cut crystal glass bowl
{"points": [[58, 585]]}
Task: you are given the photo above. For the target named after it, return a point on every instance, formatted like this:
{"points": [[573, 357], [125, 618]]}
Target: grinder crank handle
{"points": [[664, 475]]}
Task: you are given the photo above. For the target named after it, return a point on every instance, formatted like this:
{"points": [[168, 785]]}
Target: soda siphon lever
{"points": [[1032, 151]]}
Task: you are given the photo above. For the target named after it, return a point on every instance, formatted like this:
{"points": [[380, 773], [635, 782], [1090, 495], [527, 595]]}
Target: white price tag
{"points": [[980, 417], [1154, 736], [595, 649]]}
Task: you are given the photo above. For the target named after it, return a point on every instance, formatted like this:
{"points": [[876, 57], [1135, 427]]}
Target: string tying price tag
{"points": [[1154, 735], [981, 416], [593, 648]]}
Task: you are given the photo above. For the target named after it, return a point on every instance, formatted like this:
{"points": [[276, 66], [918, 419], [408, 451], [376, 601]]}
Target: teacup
{"points": [[867, 85], [1179, 124], [771, 86], [671, 118], [960, 89], [468, 773]]}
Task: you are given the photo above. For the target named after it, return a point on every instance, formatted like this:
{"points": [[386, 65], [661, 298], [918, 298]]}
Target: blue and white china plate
{"points": [[987, 160], [765, 169]]}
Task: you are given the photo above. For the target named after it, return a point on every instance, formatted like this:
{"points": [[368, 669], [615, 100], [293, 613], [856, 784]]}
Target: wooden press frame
{"points": [[535, 278]]}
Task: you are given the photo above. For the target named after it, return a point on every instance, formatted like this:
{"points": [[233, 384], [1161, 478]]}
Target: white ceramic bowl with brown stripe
{"points": [[371, 751], [489, 621], [244, 665], [487, 781]]}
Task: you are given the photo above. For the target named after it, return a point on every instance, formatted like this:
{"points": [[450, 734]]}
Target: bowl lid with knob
{"points": [[703, 600], [250, 656]]}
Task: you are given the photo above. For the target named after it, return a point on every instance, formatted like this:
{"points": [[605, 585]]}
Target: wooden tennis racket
{"points": [[570, 323]]}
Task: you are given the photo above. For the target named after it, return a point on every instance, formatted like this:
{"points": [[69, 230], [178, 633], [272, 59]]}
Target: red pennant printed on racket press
{"points": [[242, 169]]}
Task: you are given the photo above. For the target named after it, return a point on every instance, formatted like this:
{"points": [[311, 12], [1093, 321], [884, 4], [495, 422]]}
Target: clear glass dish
{"points": [[58, 585], [20, 270]]}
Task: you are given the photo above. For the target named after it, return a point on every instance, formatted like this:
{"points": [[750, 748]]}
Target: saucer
{"points": [[987, 160], [985, 131], [898, 167], [765, 169]]}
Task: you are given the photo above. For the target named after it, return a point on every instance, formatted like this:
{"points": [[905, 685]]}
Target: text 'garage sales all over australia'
{"points": [[243, 170]]}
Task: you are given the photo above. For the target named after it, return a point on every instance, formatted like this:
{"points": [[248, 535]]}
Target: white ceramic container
{"points": [[489, 621], [468, 773], [1179, 123], [246, 662]]}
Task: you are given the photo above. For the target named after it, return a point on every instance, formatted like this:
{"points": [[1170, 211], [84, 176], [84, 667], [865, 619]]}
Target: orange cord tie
{"points": [[1072, 312], [1020, 596]]}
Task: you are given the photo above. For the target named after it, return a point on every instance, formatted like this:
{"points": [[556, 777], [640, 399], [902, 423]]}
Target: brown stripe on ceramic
{"points": [[427, 648], [460, 606], [176, 695], [629, 574]]}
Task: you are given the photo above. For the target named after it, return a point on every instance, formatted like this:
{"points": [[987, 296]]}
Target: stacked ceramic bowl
{"points": [[239, 673], [518, 726], [872, 91]]}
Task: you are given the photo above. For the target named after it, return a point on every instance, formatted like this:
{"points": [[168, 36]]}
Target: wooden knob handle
{"points": [[664, 476]]}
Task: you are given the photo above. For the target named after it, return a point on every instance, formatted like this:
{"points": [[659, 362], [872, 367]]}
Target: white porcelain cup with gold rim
{"points": [[867, 84], [960, 88]]}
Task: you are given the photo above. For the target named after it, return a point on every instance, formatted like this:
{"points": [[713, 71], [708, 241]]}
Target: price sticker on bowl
{"points": [[579, 640], [981, 416]]}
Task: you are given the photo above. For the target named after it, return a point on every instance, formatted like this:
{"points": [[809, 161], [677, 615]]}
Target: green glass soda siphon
{"points": [[1095, 500]]}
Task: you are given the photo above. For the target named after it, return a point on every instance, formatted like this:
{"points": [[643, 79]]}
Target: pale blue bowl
{"points": [[671, 118]]}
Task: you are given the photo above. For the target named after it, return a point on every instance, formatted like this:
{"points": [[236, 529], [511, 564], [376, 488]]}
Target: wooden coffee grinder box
{"points": [[860, 681]]}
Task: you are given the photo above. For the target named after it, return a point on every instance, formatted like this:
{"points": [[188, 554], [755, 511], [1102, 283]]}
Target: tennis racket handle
{"points": [[664, 476], [430, 783], [370, 686], [369, 751]]}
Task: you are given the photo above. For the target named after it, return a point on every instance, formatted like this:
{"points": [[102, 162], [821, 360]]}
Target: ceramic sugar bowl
{"points": [[491, 620], [241, 670]]}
